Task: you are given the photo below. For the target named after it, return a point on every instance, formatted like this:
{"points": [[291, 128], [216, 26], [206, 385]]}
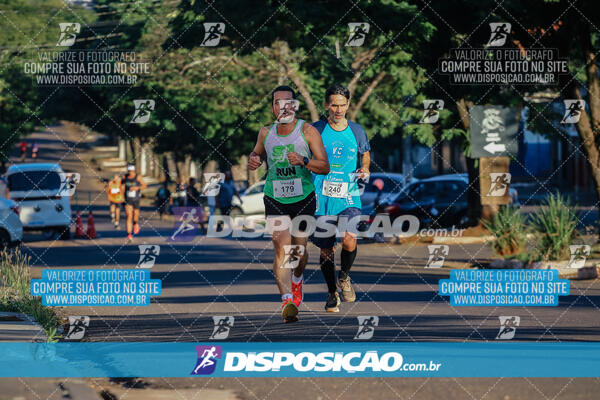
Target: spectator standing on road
{"points": [[34, 150], [192, 194], [180, 192], [163, 199], [226, 194], [23, 148]]}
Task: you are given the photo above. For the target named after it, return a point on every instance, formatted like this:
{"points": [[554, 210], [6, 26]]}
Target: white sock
{"points": [[297, 280], [286, 296]]}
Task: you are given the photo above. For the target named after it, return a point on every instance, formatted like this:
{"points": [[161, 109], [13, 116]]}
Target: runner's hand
{"points": [[295, 158], [363, 173], [254, 161]]}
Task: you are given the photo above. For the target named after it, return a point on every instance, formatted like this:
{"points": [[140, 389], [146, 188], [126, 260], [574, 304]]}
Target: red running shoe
{"points": [[297, 293]]}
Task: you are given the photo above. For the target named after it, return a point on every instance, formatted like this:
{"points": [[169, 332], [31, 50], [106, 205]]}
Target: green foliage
{"points": [[15, 292], [508, 228], [554, 225]]}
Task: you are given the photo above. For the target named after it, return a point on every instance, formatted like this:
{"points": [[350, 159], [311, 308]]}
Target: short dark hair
{"points": [[337, 89], [282, 88]]}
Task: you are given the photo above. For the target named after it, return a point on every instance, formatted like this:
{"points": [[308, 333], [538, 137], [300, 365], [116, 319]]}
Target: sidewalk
{"points": [[16, 327]]}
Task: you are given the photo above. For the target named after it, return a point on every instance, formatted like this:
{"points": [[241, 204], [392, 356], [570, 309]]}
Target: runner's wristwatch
{"points": [[305, 160]]}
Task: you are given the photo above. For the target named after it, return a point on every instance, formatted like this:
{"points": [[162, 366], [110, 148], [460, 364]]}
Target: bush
{"points": [[508, 228], [15, 295], [554, 225]]}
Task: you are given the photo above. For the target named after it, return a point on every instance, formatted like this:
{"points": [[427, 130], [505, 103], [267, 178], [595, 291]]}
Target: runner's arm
{"points": [[142, 183], [258, 154], [366, 165], [319, 164]]}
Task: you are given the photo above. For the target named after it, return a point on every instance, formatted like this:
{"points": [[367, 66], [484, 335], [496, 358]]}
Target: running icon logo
{"points": [[68, 33], [573, 109], [207, 359], [148, 254], [77, 327], [212, 33], [500, 32], [143, 108], [500, 181], [68, 183], [358, 33], [579, 253], [287, 110], [508, 327], [431, 112], [213, 183], [366, 327], [437, 255], [361, 183], [223, 325], [292, 256], [186, 223]]}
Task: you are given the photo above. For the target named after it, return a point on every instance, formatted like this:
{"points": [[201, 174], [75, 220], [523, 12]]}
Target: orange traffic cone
{"points": [[91, 230], [79, 233]]}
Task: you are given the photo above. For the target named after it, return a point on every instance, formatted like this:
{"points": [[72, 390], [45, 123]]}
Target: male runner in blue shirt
{"points": [[348, 151]]}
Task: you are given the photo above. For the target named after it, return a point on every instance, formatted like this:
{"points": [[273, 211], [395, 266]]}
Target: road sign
{"points": [[493, 131]]}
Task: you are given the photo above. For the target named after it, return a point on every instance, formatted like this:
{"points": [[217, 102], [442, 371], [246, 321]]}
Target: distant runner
{"points": [[132, 186], [115, 199], [23, 148], [289, 146], [348, 152]]}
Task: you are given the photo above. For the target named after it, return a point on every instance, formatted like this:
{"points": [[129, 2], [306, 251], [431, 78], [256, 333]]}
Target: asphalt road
{"points": [[232, 277]]}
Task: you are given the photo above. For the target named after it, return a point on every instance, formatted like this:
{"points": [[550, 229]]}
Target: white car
{"points": [[252, 201], [38, 191], [11, 228]]}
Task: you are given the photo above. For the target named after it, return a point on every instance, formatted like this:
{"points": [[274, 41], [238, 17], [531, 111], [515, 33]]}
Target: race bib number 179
{"points": [[287, 188]]}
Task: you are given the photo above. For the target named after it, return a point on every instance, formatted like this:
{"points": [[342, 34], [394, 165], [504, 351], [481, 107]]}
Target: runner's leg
{"points": [[129, 223], [282, 275]]}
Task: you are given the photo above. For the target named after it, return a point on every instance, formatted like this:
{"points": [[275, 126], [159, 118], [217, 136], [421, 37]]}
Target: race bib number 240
{"points": [[335, 189]]}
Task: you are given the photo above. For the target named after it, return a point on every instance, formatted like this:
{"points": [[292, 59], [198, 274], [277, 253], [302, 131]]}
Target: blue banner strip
{"points": [[294, 359]]}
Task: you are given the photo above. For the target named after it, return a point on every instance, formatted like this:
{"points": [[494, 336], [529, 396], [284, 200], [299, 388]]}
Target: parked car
{"points": [[439, 201], [252, 201], [11, 228], [392, 185], [37, 190]]}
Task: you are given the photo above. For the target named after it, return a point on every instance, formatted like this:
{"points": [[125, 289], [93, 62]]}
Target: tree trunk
{"points": [[473, 195], [365, 96]]}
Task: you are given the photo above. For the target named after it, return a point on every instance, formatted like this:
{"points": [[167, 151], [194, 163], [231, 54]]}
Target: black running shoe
{"points": [[333, 302]]}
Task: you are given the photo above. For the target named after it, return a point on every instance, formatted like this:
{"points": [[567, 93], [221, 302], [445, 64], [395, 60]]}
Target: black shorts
{"points": [[135, 203], [307, 206]]}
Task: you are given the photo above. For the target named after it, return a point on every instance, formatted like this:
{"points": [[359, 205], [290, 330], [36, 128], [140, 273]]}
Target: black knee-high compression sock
{"points": [[347, 261], [328, 269]]}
